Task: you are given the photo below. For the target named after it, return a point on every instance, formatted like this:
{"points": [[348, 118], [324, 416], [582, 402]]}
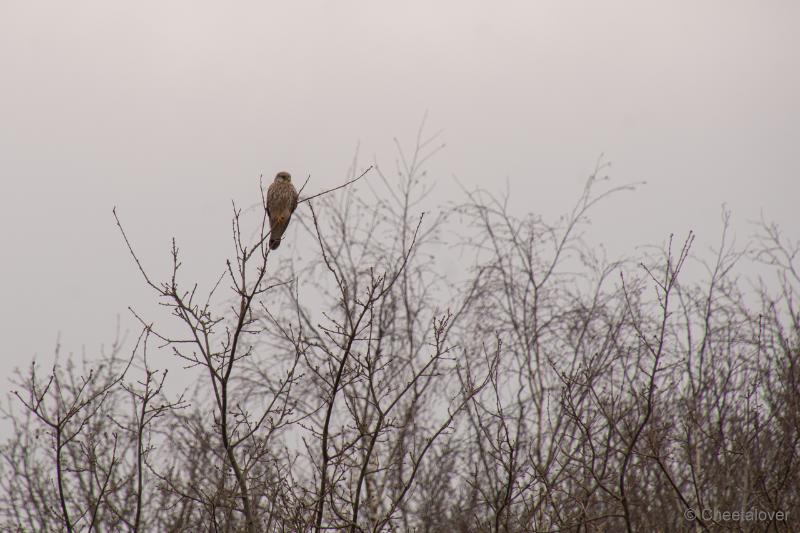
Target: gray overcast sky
{"points": [[169, 110]]}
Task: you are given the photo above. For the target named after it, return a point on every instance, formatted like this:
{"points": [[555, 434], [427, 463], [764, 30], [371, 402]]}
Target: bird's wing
{"points": [[294, 199], [270, 199]]}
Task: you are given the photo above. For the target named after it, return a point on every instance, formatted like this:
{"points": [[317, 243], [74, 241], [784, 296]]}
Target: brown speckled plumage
{"points": [[281, 203]]}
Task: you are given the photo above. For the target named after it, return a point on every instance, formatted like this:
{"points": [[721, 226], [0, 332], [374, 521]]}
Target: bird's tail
{"points": [[277, 227]]}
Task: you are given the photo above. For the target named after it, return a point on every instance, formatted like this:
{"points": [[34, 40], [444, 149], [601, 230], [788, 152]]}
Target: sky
{"points": [[172, 110]]}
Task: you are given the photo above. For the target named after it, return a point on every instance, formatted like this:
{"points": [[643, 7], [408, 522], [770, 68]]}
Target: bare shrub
{"points": [[358, 386]]}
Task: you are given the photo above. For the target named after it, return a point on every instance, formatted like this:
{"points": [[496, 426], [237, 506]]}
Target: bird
{"points": [[281, 203]]}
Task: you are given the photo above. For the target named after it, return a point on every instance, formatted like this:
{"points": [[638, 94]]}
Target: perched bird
{"points": [[281, 203]]}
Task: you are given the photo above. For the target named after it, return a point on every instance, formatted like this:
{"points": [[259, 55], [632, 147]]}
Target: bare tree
{"points": [[367, 384]]}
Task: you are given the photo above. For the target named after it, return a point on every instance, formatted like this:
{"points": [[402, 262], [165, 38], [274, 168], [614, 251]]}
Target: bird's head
{"points": [[283, 176]]}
